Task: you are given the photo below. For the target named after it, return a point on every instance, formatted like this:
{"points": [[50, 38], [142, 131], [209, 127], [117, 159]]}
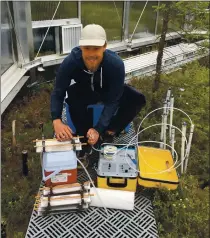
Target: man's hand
{"points": [[92, 136], [62, 131]]}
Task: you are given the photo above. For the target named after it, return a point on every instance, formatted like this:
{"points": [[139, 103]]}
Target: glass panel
{"points": [[104, 14], [44, 10], [146, 26], [48, 46], [6, 39]]}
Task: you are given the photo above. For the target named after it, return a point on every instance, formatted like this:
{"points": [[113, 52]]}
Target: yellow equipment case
{"points": [[153, 166], [117, 173]]}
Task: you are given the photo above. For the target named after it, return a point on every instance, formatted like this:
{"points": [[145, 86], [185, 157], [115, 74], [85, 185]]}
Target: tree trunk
{"points": [[161, 47]]}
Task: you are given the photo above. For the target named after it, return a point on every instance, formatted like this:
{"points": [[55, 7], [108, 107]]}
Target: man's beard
{"points": [[92, 68]]}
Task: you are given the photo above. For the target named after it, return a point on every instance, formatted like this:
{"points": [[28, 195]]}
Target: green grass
{"points": [[183, 212]]}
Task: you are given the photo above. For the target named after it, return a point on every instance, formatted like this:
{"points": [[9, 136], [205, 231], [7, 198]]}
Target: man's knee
{"points": [[141, 100], [135, 97]]}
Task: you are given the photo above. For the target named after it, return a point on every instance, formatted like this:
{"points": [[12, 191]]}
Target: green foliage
{"points": [[184, 212], [197, 16], [186, 17], [18, 192]]}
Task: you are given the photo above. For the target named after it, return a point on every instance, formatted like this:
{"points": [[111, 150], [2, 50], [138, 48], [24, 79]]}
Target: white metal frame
{"points": [[65, 48]]}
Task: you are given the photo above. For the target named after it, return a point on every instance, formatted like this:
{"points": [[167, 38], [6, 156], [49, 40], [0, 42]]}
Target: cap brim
{"points": [[92, 42]]}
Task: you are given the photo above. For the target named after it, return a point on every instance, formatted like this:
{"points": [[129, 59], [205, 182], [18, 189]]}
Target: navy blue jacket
{"points": [[108, 81]]}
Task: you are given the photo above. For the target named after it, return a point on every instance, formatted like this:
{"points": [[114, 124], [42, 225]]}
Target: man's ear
{"points": [[105, 45]]}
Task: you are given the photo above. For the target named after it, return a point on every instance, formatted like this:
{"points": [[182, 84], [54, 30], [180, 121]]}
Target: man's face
{"points": [[92, 56]]}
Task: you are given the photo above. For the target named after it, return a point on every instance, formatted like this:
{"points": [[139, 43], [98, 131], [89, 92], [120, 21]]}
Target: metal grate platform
{"points": [[93, 223]]}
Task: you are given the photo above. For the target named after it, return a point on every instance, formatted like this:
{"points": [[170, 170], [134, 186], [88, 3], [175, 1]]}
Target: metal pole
{"points": [[164, 124], [25, 162], [171, 115], [168, 99], [189, 146], [79, 9], [184, 125], [172, 141], [168, 95], [41, 126], [157, 18], [161, 133], [126, 16], [57, 41]]}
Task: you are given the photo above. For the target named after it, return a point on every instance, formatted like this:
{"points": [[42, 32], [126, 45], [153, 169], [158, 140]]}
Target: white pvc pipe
{"points": [[115, 199], [164, 131], [188, 147], [163, 124], [168, 106], [161, 133], [168, 94], [184, 125], [172, 141], [171, 115], [168, 99]]}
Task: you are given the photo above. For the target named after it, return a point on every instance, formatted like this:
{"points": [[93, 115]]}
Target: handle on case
{"points": [[117, 185]]}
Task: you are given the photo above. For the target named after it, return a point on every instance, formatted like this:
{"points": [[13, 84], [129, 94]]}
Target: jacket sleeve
{"points": [[111, 102], [63, 79]]}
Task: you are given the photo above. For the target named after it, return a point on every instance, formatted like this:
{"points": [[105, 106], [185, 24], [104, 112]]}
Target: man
{"points": [[99, 76]]}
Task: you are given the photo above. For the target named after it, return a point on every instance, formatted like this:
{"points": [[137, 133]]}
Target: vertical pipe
{"points": [[171, 115], [164, 131], [168, 107], [189, 146], [162, 126], [157, 19], [14, 143], [41, 126], [172, 141], [126, 16], [29, 30], [25, 162], [79, 9], [184, 125], [168, 96], [164, 123], [57, 41], [161, 133]]}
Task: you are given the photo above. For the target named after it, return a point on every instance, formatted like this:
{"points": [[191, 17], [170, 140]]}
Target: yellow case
{"points": [[117, 183], [151, 162]]}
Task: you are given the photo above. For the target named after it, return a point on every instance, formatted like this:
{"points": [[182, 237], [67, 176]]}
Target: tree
{"points": [[166, 10], [187, 18]]}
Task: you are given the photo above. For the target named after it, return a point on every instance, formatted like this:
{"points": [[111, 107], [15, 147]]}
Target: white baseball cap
{"points": [[93, 35]]}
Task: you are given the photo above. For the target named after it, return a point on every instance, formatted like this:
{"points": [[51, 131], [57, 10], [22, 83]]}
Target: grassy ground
{"points": [[184, 212], [175, 217]]}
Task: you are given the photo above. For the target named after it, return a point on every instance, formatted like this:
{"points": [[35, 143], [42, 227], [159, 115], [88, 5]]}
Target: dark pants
{"points": [[79, 98]]}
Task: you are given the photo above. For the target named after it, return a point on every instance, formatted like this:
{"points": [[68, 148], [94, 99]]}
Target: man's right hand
{"points": [[62, 131]]}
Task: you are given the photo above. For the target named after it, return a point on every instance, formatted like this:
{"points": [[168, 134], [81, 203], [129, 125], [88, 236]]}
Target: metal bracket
{"points": [[32, 64]]}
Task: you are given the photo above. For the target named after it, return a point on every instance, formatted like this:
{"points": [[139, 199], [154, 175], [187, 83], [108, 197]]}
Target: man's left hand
{"points": [[92, 136]]}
